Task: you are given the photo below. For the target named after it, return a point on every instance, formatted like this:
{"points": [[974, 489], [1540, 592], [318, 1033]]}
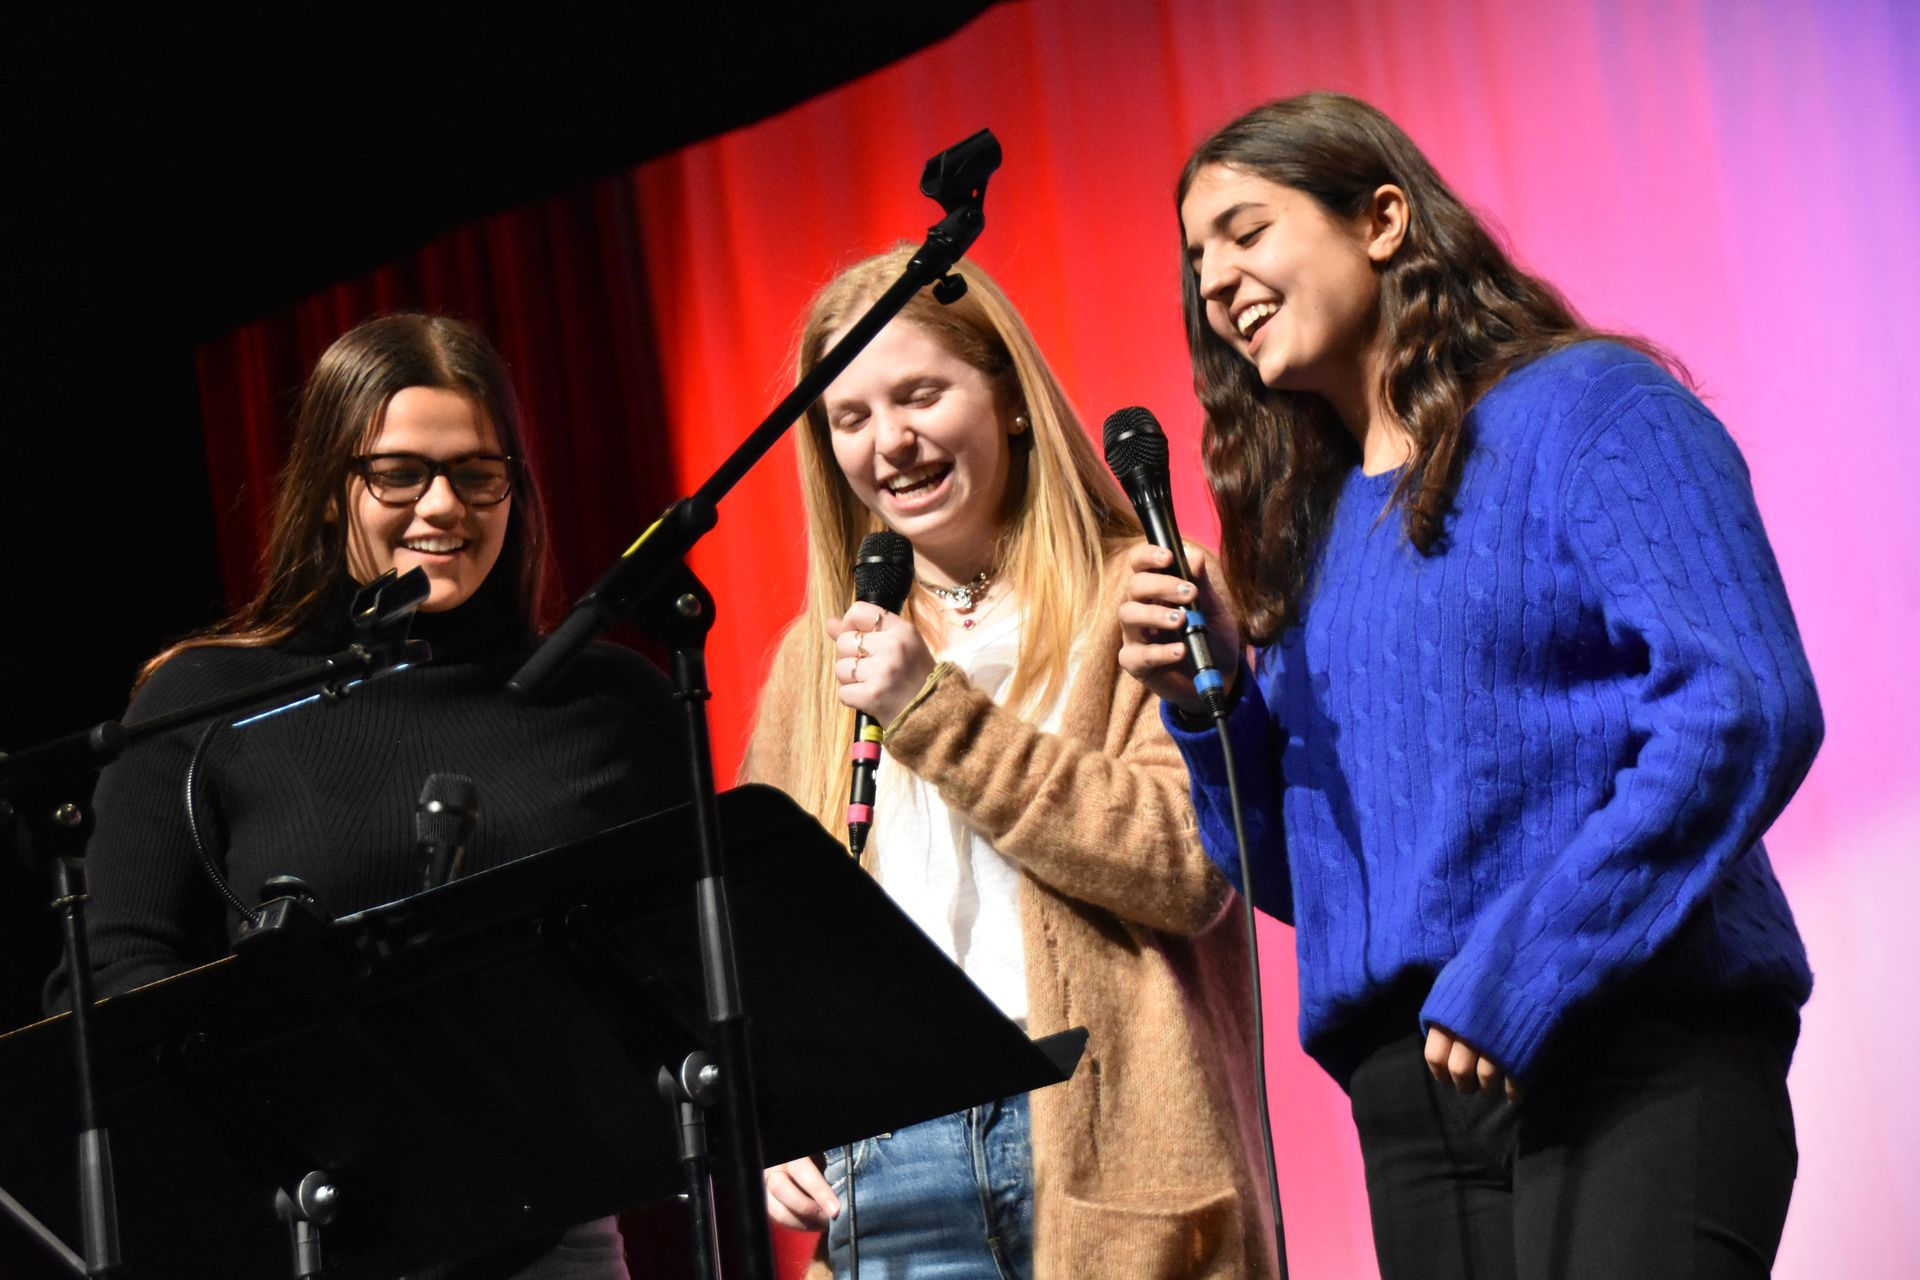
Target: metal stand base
{"points": [[313, 1204], [690, 1091]]}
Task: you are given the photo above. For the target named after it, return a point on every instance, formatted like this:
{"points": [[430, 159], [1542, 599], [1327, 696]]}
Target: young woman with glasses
{"points": [[407, 453]]}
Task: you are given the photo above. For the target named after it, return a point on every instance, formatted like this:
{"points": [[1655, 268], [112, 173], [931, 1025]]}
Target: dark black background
{"points": [[166, 175]]}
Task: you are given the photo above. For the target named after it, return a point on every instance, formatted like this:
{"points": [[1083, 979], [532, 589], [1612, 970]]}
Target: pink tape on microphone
{"points": [[866, 751], [859, 813]]}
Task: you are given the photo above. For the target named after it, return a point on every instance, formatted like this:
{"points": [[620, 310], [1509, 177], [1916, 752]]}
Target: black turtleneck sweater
{"points": [[327, 792]]}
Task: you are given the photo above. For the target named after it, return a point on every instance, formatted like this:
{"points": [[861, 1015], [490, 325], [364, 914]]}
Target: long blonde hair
{"points": [[1066, 514]]}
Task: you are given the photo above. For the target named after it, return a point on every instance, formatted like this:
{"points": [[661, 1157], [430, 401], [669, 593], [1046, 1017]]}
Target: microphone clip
{"points": [[957, 177]]}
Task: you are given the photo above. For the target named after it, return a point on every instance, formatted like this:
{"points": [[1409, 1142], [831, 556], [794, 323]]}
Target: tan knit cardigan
{"points": [[1147, 1163]]}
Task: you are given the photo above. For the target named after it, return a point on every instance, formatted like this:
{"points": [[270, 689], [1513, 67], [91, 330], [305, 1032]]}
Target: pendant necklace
{"points": [[964, 598]]}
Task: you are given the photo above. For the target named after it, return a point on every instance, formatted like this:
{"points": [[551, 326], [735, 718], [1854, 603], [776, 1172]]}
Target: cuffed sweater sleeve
{"points": [[1254, 736], [1107, 822], [1657, 513]]}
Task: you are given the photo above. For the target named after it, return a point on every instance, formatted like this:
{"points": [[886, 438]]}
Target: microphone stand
{"points": [[651, 576], [47, 826]]}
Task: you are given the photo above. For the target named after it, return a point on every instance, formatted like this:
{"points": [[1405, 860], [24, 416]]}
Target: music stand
{"points": [[477, 1064]]}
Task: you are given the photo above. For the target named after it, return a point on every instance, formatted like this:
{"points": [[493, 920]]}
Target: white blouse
{"points": [[947, 878]]}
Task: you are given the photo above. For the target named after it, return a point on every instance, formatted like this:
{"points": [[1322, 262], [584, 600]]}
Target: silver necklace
{"points": [[963, 598]]}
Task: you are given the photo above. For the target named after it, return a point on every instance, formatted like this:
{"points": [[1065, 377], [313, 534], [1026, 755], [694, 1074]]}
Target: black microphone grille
{"points": [[449, 802], [450, 791], [883, 570], [1134, 442]]}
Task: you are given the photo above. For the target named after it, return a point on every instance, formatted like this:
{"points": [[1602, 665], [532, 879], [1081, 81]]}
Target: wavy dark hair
{"points": [[341, 409], [1455, 315]]}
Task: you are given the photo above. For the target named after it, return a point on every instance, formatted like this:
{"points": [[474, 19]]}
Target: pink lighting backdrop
{"points": [[1738, 181]]}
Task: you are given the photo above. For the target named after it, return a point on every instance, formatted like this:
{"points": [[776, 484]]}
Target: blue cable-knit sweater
{"points": [[1521, 768]]}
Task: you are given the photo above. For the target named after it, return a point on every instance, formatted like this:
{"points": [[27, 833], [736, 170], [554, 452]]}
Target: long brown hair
{"points": [[1066, 513], [341, 408], [1455, 315]]}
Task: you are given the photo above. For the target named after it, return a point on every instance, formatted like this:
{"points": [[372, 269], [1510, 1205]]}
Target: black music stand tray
{"points": [[476, 1065]]}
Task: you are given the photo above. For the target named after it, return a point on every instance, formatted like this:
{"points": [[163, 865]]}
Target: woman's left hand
{"points": [[879, 660], [1450, 1058]]}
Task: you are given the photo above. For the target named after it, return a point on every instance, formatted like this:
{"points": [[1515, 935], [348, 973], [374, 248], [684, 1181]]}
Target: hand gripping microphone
{"points": [[1137, 455], [882, 573], [442, 825]]}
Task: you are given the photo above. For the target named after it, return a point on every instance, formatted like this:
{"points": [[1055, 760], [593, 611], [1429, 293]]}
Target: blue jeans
{"points": [[950, 1199]]}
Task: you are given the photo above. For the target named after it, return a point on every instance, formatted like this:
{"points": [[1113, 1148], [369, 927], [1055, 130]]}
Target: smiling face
{"points": [[923, 440], [1288, 286], [455, 543]]}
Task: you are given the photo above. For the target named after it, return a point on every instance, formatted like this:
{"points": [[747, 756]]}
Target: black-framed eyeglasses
{"points": [[402, 479]]}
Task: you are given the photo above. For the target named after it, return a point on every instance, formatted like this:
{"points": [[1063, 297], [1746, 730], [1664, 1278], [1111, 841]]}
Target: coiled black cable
{"points": [[207, 862]]}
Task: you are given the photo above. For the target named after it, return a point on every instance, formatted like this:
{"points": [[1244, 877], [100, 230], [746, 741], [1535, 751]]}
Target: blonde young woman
{"points": [[1032, 817]]}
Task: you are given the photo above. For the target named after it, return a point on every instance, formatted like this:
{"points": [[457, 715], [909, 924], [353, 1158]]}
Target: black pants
{"points": [[1665, 1151]]}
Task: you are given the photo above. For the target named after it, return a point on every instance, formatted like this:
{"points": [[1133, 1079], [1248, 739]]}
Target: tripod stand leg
{"points": [[690, 1093], [11, 1208], [700, 1221]]}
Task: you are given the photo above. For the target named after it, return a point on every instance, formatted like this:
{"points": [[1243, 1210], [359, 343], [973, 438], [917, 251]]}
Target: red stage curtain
{"points": [[560, 286], [1719, 177]]}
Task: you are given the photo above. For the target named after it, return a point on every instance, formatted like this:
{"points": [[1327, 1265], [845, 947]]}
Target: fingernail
{"points": [[1175, 617], [1186, 589]]}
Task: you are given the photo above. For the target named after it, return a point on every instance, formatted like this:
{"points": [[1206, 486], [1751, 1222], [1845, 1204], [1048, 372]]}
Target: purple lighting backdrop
{"points": [[1739, 180]]}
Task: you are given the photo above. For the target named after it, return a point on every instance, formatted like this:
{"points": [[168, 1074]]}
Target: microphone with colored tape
{"points": [[882, 575]]}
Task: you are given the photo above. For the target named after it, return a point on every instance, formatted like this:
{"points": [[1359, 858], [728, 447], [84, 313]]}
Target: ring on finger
{"points": [[853, 672], [860, 646]]}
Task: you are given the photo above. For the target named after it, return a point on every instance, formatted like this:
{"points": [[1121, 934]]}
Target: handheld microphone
{"points": [[882, 574], [442, 825], [1137, 455]]}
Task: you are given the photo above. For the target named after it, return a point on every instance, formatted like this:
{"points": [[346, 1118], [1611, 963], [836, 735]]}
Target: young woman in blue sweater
{"points": [[1526, 692]]}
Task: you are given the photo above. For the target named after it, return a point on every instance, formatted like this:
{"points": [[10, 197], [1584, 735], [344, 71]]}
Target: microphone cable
{"points": [[209, 865], [1216, 705], [1136, 453]]}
